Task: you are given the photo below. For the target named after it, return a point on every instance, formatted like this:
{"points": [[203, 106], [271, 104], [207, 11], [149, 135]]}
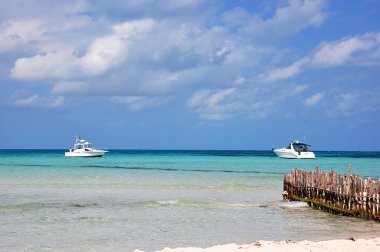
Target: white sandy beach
{"points": [[348, 245]]}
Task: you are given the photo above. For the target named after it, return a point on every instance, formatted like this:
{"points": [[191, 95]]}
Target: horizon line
{"points": [[139, 149]]}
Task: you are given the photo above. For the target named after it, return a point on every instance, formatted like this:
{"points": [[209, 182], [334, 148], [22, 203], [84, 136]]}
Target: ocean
{"points": [[150, 200]]}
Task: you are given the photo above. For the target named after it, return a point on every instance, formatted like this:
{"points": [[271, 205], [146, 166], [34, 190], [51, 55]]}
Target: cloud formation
{"points": [[287, 20], [37, 100], [353, 50], [103, 53], [218, 105], [16, 34], [223, 62], [358, 102], [314, 99], [278, 74], [362, 50], [137, 103]]}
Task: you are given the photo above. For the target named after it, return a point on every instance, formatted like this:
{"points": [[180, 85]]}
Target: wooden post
{"points": [[333, 192]]}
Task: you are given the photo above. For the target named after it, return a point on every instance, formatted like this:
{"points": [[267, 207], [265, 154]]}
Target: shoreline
{"points": [[350, 244]]}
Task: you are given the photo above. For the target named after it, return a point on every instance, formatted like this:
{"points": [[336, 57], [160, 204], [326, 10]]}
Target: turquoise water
{"points": [[153, 199]]}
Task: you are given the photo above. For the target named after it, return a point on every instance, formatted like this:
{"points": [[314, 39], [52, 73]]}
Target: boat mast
{"points": [[78, 137]]}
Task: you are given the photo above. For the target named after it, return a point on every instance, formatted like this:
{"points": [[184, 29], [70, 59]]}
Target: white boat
{"points": [[83, 148], [295, 150]]}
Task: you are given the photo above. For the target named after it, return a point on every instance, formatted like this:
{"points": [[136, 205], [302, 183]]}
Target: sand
{"points": [[332, 245]]}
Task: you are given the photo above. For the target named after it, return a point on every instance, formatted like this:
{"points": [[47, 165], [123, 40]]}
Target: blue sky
{"points": [[191, 74]]}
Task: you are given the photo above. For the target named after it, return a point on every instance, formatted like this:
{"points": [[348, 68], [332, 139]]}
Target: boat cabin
{"points": [[299, 147], [82, 144]]}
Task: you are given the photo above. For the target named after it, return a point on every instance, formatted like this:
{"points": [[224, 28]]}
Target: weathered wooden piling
{"points": [[350, 195]]}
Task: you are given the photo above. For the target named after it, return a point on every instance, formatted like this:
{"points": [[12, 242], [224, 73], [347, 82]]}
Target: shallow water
{"points": [[153, 199]]}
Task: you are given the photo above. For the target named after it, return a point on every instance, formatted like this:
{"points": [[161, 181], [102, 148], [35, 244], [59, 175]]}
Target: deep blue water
{"points": [[348, 154]]}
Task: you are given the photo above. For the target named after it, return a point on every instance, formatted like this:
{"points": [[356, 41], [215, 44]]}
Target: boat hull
{"points": [[287, 153], [98, 153]]}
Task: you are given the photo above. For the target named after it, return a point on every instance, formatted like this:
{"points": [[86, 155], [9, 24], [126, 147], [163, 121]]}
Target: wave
{"points": [[224, 186], [234, 187], [200, 204], [294, 204]]}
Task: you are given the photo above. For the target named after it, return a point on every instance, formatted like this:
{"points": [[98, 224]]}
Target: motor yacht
{"points": [[296, 150], [83, 148]]}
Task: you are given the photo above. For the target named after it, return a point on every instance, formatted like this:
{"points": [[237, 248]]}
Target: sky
{"points": [[190, 74]]}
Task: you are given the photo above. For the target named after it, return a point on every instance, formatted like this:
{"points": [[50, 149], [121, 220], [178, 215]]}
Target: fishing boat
{"points": [[295, 150], [83, 148]]}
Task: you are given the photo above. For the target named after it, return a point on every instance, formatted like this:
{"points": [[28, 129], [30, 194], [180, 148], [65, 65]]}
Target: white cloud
{"points": [[39, 101], [314, 99], [345, 105], [353, 103], [15, 34], [143, 58], [169, 58], [219, 96], [359, 50], [239, 80], [57, 64], [124, 81], [111, 51], [214, 106], [291, 90], [103, 53], [346, 50], [30, 25], [301, 13], [249, 100], [137, 103], [279, 74], [198, 98], [296, 16], [28, 101], [298, 89]]}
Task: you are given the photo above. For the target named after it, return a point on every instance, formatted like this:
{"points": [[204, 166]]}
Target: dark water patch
{"points": [[232, 153], [33, 165], [42, 207], [26, 165], [179, 169], [77, 205], [348, 154]]}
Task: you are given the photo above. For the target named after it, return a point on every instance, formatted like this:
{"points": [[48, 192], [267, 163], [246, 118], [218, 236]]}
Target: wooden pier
{"points": [[350, 195]]}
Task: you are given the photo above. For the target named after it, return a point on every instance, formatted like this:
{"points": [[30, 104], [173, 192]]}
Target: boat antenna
{"points": [[78, 136]]}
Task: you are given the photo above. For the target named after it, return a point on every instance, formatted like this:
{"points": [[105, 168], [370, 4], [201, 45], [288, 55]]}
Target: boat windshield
{"points": [[300, 147], [83, 146]]}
